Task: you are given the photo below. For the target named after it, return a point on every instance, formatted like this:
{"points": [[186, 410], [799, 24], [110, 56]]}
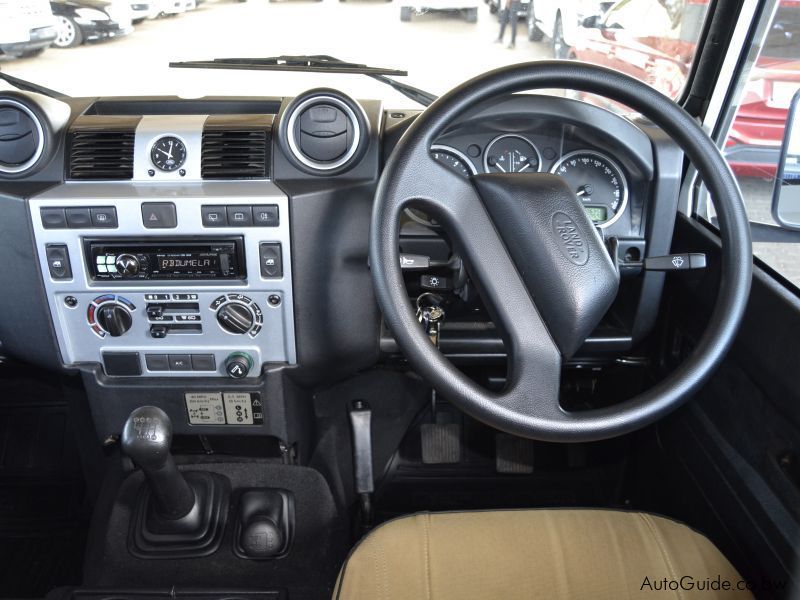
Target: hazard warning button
{"points": [[159, 215]]}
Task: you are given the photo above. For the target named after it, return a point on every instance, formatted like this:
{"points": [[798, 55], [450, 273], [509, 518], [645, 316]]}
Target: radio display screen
{"points": [[198, 263]]}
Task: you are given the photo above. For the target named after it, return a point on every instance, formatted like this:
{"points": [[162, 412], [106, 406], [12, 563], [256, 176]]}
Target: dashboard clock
{"points": [[168, 153]]}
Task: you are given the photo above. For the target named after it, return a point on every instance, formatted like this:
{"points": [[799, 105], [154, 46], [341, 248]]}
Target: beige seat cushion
{"points": [[532, 554]]}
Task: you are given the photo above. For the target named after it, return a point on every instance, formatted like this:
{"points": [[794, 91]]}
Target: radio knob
{"points": [[127, 265], [235, 318], [114, 319]]}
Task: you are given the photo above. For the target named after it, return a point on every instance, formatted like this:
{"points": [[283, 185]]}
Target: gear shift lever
{"points": [[146, 439], [177, 515]]}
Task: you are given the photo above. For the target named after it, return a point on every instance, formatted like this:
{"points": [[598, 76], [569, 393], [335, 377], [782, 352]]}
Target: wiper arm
{"points": [[317, 63], [28, 86]]}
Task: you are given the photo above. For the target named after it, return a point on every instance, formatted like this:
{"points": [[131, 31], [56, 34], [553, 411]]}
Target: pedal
{"points": [[513, 455], [441, 443]]}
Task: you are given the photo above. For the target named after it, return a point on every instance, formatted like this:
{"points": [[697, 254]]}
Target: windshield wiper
{"points": [[27, 86], [318, 63]]}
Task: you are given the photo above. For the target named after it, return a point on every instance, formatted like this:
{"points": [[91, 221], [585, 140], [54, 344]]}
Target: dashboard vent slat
{"points": [[235, 154], [101, 155]]}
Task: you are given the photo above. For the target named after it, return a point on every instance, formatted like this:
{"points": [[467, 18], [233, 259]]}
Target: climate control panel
{"points": [[177, 301]]}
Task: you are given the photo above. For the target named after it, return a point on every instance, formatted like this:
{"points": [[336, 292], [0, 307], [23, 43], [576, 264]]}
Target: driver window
{"points": [[753, 145]]}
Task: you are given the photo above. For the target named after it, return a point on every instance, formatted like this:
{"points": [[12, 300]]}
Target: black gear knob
{"points": [[146, 439]]}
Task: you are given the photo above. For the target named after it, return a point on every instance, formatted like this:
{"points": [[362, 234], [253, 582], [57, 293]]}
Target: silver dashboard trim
{"points": [[79, 344], [187, 128]]}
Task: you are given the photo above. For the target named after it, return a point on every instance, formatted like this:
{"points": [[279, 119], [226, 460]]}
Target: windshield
{"points": [[124, 47]]}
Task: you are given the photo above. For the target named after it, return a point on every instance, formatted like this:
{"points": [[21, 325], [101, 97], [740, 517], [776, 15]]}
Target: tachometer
{"points": [[511, 153], [452, 159], [598, 182]]}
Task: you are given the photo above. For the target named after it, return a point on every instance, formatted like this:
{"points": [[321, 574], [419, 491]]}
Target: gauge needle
{"points": [[499, 166], [525, 167], [170, 151], [164, 152]]}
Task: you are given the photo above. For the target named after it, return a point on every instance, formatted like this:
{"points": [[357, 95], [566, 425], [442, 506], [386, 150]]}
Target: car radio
{"points": [[119, 260]]}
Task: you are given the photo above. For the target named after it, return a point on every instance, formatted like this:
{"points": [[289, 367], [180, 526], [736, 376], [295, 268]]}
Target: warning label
{"points": [[205, 409], [225, 408]]}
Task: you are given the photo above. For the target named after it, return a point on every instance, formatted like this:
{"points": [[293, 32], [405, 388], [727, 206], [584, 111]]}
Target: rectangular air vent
{"points": [[101, 154], [236, 147]]}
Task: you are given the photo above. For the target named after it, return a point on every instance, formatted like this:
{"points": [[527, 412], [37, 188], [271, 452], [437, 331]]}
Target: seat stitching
{"points": [[380, 559], [428, 585], [651, 526]]}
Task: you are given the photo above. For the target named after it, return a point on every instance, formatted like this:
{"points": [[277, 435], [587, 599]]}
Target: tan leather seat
{"points": [[532, 554]]}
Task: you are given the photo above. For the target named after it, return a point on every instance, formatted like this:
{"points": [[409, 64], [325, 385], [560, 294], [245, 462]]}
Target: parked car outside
{"points": [[654, 42], [168, 8], [80, 21], [141, 11], [559, 21], [27, 27], [468, 9]]}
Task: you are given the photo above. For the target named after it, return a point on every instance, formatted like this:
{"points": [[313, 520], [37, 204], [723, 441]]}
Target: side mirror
{"points": [[786, 195], [592, 22]]}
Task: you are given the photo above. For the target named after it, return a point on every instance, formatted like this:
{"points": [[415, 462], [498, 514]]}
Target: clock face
{"points": [[168, 153]]}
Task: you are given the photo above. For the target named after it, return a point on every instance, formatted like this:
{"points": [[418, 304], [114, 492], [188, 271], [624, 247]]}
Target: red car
{"points": [[654, 40]]}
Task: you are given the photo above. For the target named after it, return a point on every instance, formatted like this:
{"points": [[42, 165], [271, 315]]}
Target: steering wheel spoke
{"points": [[521, 304]]}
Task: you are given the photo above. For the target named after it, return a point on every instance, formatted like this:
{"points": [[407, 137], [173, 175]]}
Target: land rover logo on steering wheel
{"points": [[570, 239]]}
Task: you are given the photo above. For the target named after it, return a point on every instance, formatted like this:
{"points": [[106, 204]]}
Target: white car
{"points": [[27, 27], [143, 10], [167, 8], [468, 9], [559, 21]]}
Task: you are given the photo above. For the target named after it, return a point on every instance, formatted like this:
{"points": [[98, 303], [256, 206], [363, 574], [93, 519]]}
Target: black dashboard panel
{"points": [[334, 325]]}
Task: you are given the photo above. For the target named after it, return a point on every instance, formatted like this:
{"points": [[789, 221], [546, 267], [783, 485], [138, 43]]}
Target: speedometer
{"points": [[598, 182]]}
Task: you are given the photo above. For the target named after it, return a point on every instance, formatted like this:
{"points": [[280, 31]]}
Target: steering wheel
{"points": [[538, 262]]}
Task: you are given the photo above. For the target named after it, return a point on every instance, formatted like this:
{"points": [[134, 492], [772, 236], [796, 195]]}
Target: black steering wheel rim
{"points": [[525, 407]]}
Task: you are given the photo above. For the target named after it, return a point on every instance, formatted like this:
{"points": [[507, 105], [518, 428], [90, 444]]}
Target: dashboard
{"points": [[196, 251]]}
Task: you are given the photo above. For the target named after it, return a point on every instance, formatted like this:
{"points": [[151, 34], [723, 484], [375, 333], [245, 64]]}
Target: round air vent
{"points": [[22, 136], [325, 131]]}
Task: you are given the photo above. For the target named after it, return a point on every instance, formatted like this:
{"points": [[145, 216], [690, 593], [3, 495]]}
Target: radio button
{"points": [[159, 215], [127, 265], [214, 216], [104, 217], [240, 216]]}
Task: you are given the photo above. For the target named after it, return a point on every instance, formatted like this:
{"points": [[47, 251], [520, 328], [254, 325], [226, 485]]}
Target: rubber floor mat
{"points": [[43, 519]]}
